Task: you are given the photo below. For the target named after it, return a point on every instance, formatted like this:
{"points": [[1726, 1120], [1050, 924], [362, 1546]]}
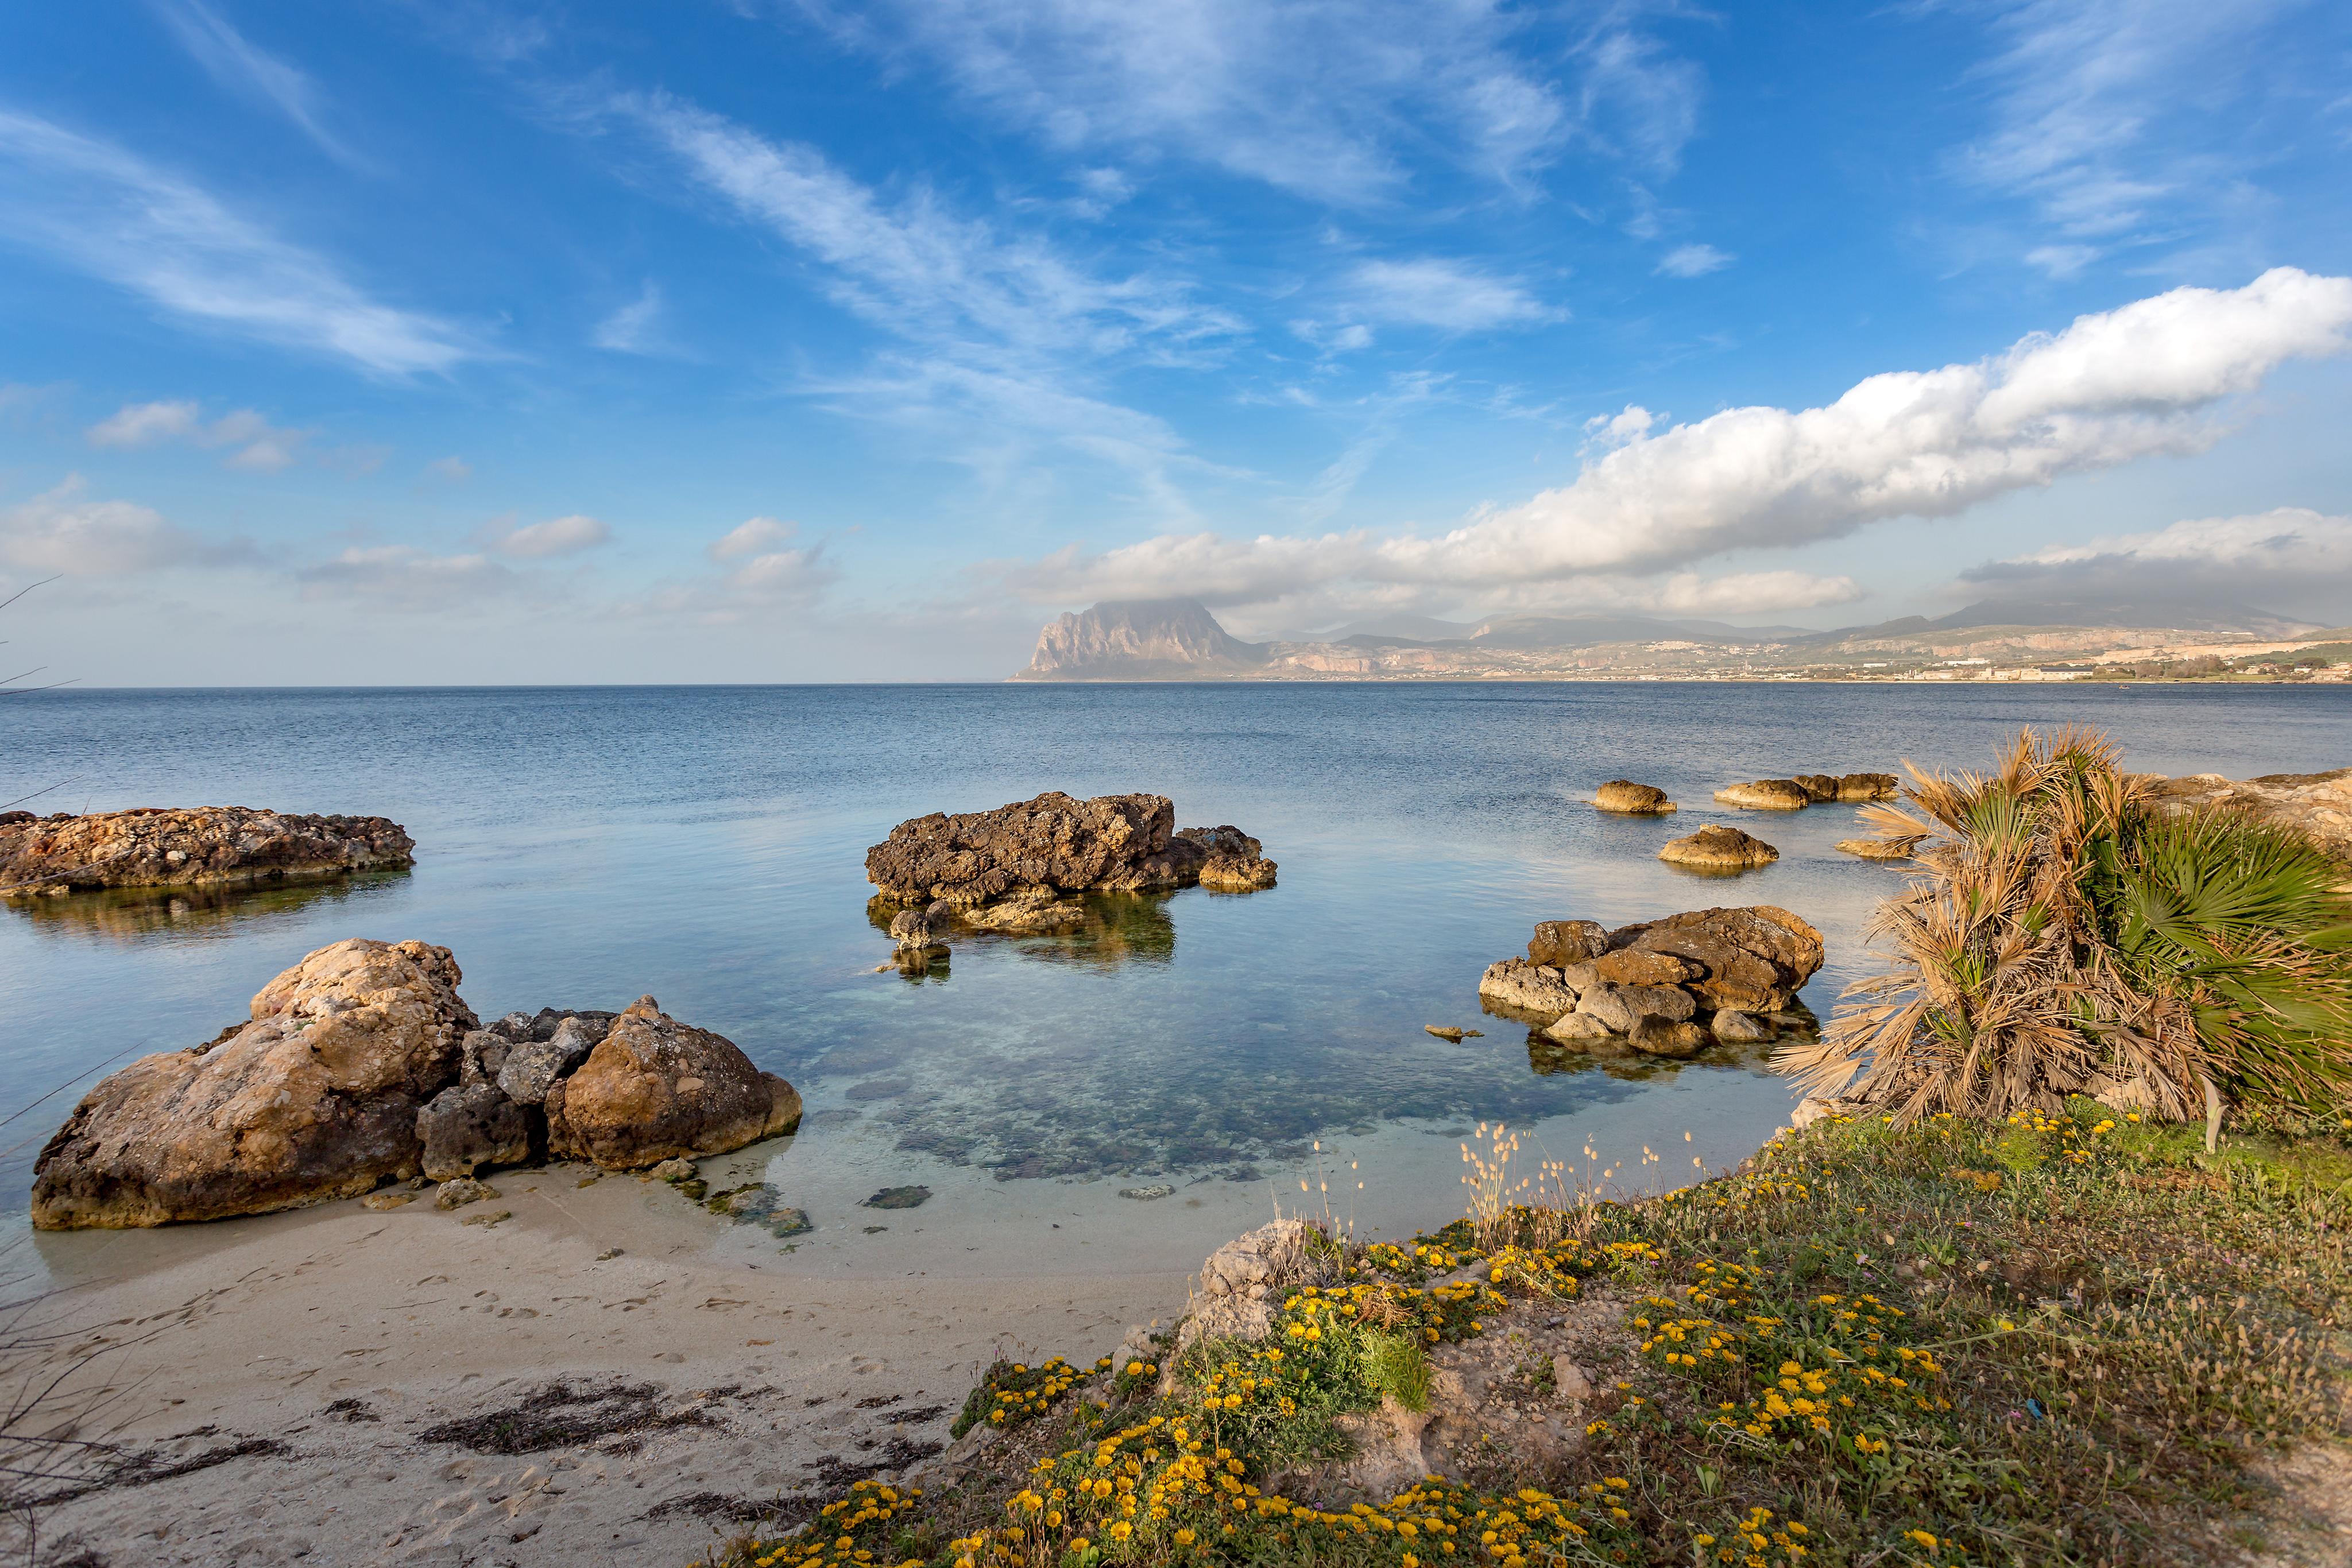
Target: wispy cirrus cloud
{"points": [[2111, 387], [634, 327], [168, 241], [407, 578], [2101, 112], [553, 537], [1694, 261], [260, 447], [1335, 102], [920, 271], [251, 72], [1450, 295]]}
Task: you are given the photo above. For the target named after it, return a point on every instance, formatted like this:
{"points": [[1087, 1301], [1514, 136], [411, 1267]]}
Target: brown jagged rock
{"points": [[201, 846], [1521, 988], [1561, 943], [1767, 795], [1718, 848], [1233, 862], [316, 1098], [1060, 845], [2316, 805], [1622, 795], [1867, 787], [654, 1088], [1756, 958], [1818, 787]]}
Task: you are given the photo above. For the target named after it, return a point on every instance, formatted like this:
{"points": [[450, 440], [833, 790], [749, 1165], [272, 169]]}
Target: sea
{"points": [[1120, 1095]]}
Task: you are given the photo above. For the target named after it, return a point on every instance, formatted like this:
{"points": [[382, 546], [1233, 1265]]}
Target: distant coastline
{"points": [[1181, 641]]}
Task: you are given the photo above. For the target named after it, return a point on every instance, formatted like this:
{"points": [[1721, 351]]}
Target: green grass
{"points": [[2067, 1339]]}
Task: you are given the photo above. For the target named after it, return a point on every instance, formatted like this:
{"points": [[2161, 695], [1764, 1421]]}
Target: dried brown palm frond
{"points": [[2013, 984]]}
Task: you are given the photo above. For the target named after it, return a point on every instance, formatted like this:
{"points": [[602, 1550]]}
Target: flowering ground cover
{"points": [[2070, 1337]]}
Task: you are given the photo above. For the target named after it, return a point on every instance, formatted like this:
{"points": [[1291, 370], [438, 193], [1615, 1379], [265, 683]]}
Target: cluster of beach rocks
{"points": [[196, 847], [2316, 805], [361, 1064], [1021, 867], [1664, 988]]}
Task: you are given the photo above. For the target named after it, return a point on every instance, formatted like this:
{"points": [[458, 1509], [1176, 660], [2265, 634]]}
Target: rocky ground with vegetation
{"points": [[2071, 1337]]}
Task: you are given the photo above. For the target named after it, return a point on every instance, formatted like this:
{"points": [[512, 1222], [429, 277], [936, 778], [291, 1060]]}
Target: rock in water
{"points": [[1717, 848], [1661, 1037], [1767, 795], [1523, 985], [1735, 1028], [1232, 860], [1110, 844], [1898, 848], [1633, 799], [1620, 1008], [1052, 841], [1561, 943], [469, 1126], [654, 1088], [205, 846], [1867, 787], [1755, 959], [1572, 1027], [316, 1098]]}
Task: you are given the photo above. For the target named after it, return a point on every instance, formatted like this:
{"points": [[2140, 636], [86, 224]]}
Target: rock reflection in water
{"points": [[1548, 1056], [1099, 930], [132, 914]]}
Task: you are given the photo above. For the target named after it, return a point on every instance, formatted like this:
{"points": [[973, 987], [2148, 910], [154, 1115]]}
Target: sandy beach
{"points": [[294, 1368]]}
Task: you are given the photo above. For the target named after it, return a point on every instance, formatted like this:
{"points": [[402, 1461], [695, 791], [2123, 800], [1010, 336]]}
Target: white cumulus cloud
{"points": [[2144, 379]]}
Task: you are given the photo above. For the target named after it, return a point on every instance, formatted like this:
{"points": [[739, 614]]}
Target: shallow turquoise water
{"points": [[582, 846]]}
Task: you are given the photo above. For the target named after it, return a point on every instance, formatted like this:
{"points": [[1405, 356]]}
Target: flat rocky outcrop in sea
{"points": [[201, 846], [1718, 848], [1625, 796], [363, 1064], [1794, 794], [1022, 868], [1664, 987]]}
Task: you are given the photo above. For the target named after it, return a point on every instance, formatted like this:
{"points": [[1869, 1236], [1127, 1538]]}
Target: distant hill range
{"points": [[1178, 640]]}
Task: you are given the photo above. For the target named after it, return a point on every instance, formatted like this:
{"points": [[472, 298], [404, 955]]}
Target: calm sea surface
{"points": [[581, 847]]}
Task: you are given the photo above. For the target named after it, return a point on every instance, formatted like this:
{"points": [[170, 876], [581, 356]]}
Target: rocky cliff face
{"points": [[1140, 640]]}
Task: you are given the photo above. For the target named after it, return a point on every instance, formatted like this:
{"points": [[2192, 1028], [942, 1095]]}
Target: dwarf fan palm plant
{"points": [[2063, 939]]}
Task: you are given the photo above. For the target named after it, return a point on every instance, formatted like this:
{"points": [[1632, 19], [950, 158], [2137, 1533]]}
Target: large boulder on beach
{"points": [[654, 1088], [1754, 959], [315, 1098], [200, 846], [1767, 795], [1622, 795], [1059, 845], [470, 1127], [1718, 848]]}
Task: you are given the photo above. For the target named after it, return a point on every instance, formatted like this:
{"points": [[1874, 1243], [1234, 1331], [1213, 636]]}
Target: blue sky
{"points": [[392, 342]]}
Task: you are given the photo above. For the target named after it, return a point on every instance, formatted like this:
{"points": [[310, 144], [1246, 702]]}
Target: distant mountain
{"points": [[1140, 640], [2174, 615], [1387, 628]]}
